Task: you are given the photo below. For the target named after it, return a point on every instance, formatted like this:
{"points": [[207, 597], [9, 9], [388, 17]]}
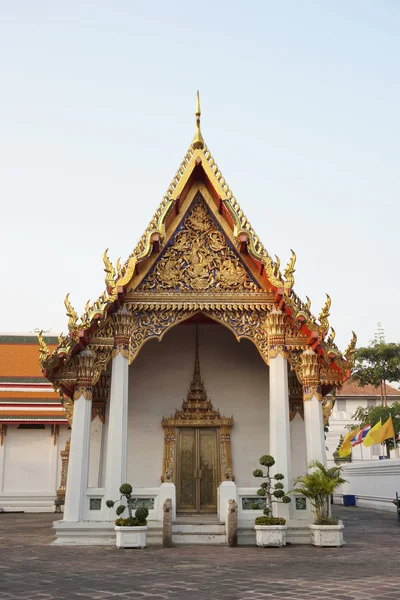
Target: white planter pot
{"points": [[130, 537], [327, 535], [270, 535]]}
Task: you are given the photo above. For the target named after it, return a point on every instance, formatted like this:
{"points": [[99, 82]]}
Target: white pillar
{"points": [[279, 425], [117, 427], [315, 436], [96, 435], [78, 466]]}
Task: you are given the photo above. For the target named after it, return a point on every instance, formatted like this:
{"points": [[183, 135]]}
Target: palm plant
{"points": [[318, 486]]}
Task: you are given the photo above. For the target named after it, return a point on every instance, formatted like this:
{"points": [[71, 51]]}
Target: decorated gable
{"points": [[198, 259]]}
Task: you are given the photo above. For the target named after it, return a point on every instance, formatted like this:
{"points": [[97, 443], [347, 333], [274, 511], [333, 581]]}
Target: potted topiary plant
{"points": [[270, 531], [130, 531], [318, 486]]}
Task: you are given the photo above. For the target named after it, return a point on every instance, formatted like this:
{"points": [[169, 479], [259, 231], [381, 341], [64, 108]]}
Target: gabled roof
{"points": [[198, 164], [25, 395], [352, 388]]}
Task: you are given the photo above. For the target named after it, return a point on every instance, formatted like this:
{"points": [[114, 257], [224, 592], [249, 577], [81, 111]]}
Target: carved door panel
{"points": [[197, 470]]}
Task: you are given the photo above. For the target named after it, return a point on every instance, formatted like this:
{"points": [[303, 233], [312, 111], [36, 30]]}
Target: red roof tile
{"points": [[352, 388]]}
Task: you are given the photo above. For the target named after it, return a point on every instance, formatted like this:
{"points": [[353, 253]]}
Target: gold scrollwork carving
{"points": [[276, 333], [84, 387], [311, 375], [122, 327], [199, 259]]}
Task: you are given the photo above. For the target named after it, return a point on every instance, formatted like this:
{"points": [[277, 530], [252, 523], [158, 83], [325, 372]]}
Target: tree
{"points": [[377, 363], [336, 457], [365, 415]]}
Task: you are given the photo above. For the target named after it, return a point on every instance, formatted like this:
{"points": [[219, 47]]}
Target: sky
{"points": [[300, 109]]}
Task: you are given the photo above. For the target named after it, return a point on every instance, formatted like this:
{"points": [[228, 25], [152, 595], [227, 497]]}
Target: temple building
{"points": [[34, 428], [196, 360]]}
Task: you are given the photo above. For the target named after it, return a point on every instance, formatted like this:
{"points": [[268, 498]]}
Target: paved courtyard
{"points": [[366, 568]]}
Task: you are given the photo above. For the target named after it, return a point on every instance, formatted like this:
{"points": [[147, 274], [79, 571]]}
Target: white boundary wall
{"points": [[374, 483]]}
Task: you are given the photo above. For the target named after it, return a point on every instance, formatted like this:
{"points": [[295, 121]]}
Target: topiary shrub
{"points": [[266, 520], [141, 513], [273, 491]]}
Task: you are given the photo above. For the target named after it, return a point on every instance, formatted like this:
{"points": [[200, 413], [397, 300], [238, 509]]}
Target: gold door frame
{"points": [[223, 425], [198, 505]]}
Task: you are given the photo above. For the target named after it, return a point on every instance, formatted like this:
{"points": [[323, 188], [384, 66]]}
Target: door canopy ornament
{"points": [[197, 411]]}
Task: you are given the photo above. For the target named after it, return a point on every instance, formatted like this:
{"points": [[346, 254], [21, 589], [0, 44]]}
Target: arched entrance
{"points": [[184, 406]]}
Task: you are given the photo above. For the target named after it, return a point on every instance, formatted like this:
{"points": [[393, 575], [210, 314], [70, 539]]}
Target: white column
{"points": [[96, 436], [117, 427], [315, 436], [53, 459], [78, 466], [279, 425], [313, 415]]}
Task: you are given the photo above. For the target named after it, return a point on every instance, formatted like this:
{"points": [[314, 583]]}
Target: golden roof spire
{"points": [[198, 141]]}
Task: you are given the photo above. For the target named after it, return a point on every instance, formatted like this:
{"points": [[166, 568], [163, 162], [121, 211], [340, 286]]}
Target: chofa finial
{"points": [[198, 141]]}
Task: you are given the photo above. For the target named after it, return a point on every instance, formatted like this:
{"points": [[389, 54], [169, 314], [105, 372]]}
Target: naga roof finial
{"points": [[198, 141]]}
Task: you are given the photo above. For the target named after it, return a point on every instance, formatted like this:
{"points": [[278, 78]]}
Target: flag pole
{"points": [[362, 457], [396, 450]]}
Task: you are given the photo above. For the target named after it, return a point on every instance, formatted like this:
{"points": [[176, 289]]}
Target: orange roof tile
{"points": [[352, 388], [20, 360]]}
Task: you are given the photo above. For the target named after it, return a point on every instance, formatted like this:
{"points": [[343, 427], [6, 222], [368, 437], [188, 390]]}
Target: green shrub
{"points": [[270, 521], [141, 513], [272, 490]]}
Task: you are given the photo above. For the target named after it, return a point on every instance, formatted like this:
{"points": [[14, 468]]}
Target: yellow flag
{"points": [[385, 432], [369, 440], [345, 448]]}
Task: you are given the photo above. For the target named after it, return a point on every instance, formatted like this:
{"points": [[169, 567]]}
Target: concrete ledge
{"points": [[29, 503], [298, 532], [97, 533]]}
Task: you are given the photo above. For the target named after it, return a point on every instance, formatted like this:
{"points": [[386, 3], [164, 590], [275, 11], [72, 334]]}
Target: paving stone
{"points": [[366, 568]]}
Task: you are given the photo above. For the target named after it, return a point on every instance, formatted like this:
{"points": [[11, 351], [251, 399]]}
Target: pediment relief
{"points": [[199, 259]]}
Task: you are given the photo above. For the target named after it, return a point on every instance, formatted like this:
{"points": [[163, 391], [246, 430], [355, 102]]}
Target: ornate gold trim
{"points": [[55, 432], [3, 432], [64, 472], [123, 322], [310, 375]]}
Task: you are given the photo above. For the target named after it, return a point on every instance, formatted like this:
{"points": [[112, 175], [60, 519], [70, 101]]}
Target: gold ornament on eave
{"points": [[71, 314], [44, 351], [289, 273], [110, 276], [350, 352], [323, 316]]}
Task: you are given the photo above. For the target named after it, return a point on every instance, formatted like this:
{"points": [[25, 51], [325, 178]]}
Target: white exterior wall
{"points": [[374, 484], [32, 468], [236, 380]]}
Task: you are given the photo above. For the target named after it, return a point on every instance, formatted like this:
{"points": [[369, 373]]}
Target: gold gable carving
{"points": [[198, 259]]}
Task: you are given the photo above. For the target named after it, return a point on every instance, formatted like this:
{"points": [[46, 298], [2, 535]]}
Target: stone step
{"points": [[207, 538], [195, 527]]}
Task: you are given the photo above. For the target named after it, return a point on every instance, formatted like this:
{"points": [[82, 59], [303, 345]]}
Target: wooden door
{"points": [[197, 470]]}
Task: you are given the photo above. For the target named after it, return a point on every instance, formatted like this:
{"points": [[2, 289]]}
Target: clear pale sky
{"points": [[300, 108]]}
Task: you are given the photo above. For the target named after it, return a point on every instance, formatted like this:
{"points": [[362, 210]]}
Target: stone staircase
{"points": [[198, 529]]}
